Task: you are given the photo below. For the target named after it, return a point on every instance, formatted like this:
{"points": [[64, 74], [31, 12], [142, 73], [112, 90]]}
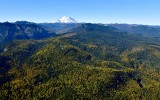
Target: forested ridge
{"points": [[88, 62]]}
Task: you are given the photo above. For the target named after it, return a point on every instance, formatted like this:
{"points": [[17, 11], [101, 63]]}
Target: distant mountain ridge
{"points": [[22, 30], [59, 27], [31, 30], [145, 30]]}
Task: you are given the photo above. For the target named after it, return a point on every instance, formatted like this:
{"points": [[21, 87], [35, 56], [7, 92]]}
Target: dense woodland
{"points": [[88, 62]]}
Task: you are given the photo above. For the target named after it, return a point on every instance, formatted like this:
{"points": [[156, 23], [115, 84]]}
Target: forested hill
{"points": [[88, 62]]}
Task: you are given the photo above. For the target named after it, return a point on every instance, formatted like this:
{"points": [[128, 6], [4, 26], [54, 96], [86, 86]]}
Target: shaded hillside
{"points": [[22, 30], [89, 62]]}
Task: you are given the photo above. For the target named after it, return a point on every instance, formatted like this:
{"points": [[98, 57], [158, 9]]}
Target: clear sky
{"points": [[95, 11]]}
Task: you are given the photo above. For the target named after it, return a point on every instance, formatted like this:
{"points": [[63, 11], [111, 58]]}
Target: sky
{"points": [[93, 11]]}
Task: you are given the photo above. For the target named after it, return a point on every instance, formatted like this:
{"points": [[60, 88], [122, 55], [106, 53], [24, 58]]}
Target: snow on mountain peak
{"points": [[67, 20]]}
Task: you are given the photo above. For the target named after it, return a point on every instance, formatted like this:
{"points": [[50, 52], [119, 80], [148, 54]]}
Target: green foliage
{"points": [[91, 62]]}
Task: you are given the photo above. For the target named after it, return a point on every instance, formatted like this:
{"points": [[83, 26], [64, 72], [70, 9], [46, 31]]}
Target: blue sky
{"points": [[95, 11]]}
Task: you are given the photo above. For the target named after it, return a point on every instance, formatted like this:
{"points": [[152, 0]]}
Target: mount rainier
{"points": [[66, 20]]}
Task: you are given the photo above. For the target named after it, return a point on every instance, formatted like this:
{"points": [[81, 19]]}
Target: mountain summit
{"points": [[67, 20]]}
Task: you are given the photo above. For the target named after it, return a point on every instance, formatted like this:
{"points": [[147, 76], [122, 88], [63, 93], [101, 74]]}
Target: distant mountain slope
{"points": [[59, 27], [22, 30], [145, 30]]}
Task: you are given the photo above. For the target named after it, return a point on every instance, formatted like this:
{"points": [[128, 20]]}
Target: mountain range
{"points": [[79, 61]]}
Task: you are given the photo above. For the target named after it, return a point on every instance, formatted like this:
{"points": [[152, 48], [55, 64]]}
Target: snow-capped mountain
{"points": [[66, 20]]}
